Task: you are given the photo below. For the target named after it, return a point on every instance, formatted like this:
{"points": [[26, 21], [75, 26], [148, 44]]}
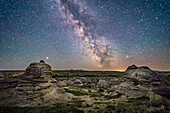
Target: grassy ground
{"points": [[70, 73]]}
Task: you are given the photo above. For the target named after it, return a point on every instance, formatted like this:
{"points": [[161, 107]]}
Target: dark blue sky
{"points": [[138, 32]]}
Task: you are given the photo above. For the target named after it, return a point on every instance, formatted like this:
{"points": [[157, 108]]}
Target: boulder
{"points": [[103, 83], [2, 76], [78, 82], [85, 80]]}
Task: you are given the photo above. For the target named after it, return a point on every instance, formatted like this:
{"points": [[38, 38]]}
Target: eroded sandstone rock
{"points": [[103, 83], [141, 73], [1, 76], [34, 88], [38, 70]]}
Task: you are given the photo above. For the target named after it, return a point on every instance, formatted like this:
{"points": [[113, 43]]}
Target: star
{"points": [[99, 32], [47, 57]]}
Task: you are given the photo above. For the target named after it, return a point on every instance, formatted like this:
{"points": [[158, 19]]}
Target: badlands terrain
{"points": [[39, 89]]}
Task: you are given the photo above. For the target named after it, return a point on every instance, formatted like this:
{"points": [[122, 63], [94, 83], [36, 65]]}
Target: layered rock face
{"points": [[33, 93], [36, 87], [38, 70]]}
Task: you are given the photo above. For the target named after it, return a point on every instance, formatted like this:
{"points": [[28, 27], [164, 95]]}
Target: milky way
{"points": [[84, 27], [85, 34]]}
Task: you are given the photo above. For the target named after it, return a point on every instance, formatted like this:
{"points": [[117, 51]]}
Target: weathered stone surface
{"points": [[38, 70], [131, 69], [85, 80], [131, 90], [34, 88], [103, 83], [39, 94], [2, 76], [141, 73], [19, 74], [78, 82], [154, 97]]}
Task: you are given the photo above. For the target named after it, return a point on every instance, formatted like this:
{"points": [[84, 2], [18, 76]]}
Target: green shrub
{"points": [[78, 103], [76, 93], [138, 100], [113, 97], [95, 94], [111, 107]]}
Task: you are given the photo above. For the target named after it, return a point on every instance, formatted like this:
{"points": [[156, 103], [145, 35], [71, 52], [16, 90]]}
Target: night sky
{"points": [[85, 34]]}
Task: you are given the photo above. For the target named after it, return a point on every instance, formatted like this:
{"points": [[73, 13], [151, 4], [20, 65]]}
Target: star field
{"points": [[137, 31]]}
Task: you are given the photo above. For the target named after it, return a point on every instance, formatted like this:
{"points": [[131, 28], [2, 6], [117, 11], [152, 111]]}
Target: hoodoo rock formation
{"points": [[35, 88], [142, 72], [38, 70]]}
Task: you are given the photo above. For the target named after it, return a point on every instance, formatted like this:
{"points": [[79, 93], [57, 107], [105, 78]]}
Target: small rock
{"points": [[78, 82], [103, 83], [2, 76]]}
